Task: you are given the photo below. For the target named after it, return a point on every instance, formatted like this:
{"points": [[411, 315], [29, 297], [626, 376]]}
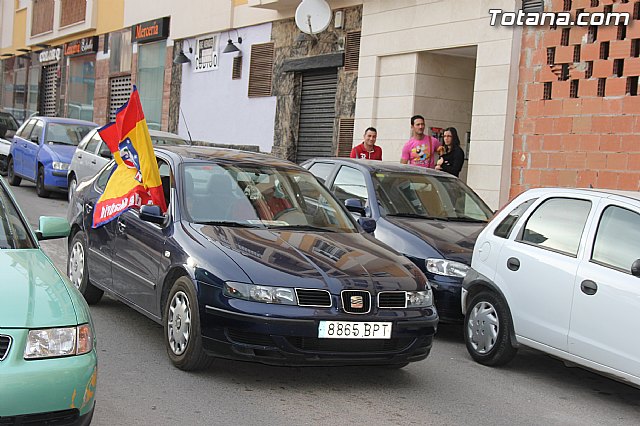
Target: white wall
{"points": [[217, 108], [394, 36], [6, 23]]}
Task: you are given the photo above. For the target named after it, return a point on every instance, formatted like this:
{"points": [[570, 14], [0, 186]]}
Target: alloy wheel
{"points": [[483, 327], [179, 323], [76, 264]]}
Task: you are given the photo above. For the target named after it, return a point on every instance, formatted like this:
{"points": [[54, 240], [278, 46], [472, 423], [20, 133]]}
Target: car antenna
{"points": [[185, 125]]}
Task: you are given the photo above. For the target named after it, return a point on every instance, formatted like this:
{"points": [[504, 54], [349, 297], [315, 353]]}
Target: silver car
{"points": [[93, 153]]}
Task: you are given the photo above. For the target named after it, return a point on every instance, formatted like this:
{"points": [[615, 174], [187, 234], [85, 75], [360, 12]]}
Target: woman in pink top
{"points": [[420, 149]]}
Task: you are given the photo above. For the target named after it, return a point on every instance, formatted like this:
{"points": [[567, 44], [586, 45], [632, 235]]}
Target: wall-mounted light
{"points": [[231, 48], [181, 58]]}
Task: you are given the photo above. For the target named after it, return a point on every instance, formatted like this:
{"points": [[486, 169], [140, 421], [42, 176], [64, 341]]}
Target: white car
{"points": [[8, 127], [558, 270], [92, 154]]}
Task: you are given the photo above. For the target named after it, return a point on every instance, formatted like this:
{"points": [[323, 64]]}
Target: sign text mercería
{"points": [[143, 32]]}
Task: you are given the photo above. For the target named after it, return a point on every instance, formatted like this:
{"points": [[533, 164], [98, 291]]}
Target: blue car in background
{"points": [[42, 149], [431, 217]]}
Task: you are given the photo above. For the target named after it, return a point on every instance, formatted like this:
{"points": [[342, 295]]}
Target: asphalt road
{"points": [[138, 385]]}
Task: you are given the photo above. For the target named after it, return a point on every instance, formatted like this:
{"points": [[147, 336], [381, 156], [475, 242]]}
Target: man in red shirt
{"points": [[368, 150]]}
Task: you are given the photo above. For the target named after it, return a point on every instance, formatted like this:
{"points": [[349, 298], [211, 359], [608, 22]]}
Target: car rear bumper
{"points": [[294, 342]]}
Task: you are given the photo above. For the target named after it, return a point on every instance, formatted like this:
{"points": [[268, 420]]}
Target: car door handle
{"points": [[93, 161], [589, 287], [88, 208], [79, 155], [122, 226], [513, 264]]}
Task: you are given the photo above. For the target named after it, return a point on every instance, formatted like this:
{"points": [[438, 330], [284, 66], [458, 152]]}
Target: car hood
{"points": [[454, 240], [61, 152], [327, 260], [32, 293]]}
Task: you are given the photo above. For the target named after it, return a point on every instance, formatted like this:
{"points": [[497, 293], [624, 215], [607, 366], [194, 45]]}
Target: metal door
{"points": [[119, 92], [49, 91], [317, 114]]}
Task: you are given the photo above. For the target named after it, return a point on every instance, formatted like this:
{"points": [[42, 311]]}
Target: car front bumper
{"points": [[446, 293], [240, 334], [52, 387]]}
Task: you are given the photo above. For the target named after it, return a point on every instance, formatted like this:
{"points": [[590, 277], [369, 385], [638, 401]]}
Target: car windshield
{"points": [[428, 196], [261, 196], [164, 141], [66, 134], [13, 231], [8, 121]]}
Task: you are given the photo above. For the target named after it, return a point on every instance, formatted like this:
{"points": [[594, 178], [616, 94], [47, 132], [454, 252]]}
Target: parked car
{"points": [[92, 154], [558, 270], [8, 127], [42, 149], [254, 260], [48, 363], [431, 217]]}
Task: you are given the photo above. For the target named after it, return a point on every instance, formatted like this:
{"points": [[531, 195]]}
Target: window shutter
{"points": [[261, 70], [352, 51], [345, 136], [236, 72]]}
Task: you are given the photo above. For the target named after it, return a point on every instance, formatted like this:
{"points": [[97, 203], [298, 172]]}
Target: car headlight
{"points": [[55, 342], [448, 268], [261, 293], [419, 299], [57, 165]]}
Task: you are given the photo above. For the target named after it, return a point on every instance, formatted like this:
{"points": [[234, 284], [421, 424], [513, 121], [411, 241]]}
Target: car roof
{"points": [[603, 192], [161, 134], [210, 153], [63, 120], [381, 166]]}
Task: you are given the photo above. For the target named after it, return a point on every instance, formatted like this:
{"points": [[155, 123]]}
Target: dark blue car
{"points": [[42, 149], [254, 260], [431, 217]]}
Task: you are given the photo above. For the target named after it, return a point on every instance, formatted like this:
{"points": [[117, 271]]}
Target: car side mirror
{"points": [[106, 154], [368, 224], [635, 268], [152, 213], [355, 205], [35, 139], [51, 227]]}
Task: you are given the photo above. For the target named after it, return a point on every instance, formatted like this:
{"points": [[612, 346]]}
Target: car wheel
{"points": [[488, 330], [182, 327], [73, 183], [78, 270], [40, 190], [13, 179]]}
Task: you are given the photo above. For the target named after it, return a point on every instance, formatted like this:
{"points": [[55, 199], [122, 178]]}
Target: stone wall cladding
{"points": [[589, 140], [101, 90], [286, 85]]}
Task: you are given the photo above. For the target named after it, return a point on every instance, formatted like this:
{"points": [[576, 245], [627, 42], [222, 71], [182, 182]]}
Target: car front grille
{"points": [[392, 299], [356, 301], [349, 346], [5, 344], [58, 418], [318, 298]]}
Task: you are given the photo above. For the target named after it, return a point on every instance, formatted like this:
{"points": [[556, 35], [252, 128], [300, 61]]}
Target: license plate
{"points": [[354, 330]]}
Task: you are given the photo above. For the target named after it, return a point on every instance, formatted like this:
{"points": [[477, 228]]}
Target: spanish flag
{"points": [[136, 180]]}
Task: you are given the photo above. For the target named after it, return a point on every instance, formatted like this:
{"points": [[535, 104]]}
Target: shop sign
{"points": [[50, 55], [206, 53], [81, 46], [158, 29]]}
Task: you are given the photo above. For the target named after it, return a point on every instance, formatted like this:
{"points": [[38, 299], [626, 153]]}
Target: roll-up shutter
{"points": [[49, 91], [119, 92], [317, 114]]}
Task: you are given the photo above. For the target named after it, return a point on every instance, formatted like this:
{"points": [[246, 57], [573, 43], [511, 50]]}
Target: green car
{"points": [[48, 362]]}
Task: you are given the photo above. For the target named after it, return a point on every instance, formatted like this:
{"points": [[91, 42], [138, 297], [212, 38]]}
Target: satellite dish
{"points": [[313, 16]]}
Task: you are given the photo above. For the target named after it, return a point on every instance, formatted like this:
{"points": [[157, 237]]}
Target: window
{"points": [[350, 183], [557, 224], [573, 88], [151, 61], [546, 94], [261, 70], [618, 67], [321, 170], [617, 241], [26, 130], [101, 183], [80, 88], [104, 151], [602, 82], [504, 229], [576, 53], [551, 55], [564, 39], [120, 52], [93, 143], [37, 132]]}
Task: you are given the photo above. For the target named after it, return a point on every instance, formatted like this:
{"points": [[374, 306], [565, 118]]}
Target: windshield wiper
{"points": [[418, 216], [301, 227], [229, 223], [466, 219]]}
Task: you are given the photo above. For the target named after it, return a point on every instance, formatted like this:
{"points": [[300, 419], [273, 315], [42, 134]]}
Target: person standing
{"points": [[420, 149], [368, 150], [453, 157]]}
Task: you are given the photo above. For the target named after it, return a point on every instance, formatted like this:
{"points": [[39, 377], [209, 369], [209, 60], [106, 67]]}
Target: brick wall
{"points": [[584, 129]]}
